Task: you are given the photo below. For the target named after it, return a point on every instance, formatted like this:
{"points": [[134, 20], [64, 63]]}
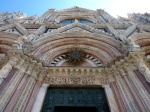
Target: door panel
{"points": [[75, 97]]}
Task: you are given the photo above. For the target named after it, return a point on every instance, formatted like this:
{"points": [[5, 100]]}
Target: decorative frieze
{"points": [[76, 81]]}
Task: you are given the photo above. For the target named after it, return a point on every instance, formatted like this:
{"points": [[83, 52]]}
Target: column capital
{"points": [[122, 72]]}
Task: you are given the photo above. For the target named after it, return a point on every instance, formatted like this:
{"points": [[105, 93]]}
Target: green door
{"points": [[77, 99]]}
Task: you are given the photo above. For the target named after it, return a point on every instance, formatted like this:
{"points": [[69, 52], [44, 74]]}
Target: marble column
{"points": [[40, 98], [118, 97], [33, 97], [17, 94], [10, 89], [7, 79], [126, 95], [20, 105], [110, 98], [144, 96], [35, 92], [132, 91], [24, 97], [143, 80]]}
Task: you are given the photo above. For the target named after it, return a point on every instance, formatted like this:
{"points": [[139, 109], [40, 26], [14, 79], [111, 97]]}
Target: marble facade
{"points": [[117, 58]]}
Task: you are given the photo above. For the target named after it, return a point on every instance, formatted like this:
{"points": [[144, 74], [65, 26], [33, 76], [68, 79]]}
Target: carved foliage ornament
{"points": [[75, 56]]}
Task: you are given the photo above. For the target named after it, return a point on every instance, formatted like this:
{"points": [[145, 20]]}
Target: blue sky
{"points": [[38, 7]]}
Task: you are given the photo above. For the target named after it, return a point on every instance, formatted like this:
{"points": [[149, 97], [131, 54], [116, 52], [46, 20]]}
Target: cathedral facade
{"points": [[74, 59]]}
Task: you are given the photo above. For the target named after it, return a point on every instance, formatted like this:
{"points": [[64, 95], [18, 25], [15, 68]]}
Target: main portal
{"points": [[75, 100]]}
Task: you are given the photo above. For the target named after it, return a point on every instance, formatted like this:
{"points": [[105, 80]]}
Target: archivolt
{"points": [[103, 47]]}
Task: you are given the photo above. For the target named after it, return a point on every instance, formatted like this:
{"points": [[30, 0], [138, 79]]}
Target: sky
{"points": [[113, 7]]}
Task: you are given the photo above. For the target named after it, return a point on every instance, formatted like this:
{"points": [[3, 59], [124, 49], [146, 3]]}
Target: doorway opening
{"points": [[75, 100], [74, 109]]}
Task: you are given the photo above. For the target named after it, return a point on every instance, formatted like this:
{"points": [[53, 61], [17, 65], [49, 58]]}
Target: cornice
{"points": [[103, 25]]}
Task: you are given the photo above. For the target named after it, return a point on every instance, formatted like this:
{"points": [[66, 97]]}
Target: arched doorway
{"points": [[75, 100]]}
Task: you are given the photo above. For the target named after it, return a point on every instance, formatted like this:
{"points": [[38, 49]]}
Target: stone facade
{"points": [[117, 57]]}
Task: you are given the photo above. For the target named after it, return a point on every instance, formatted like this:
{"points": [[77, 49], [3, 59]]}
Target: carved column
{"points": [[117, 95], [17, 94], [140, 90], [126, 95], [22, 66], [143, 80], [6, 80], [22, 101], [132, 90], [111, 100], [40, 98], [11, 87], [35, 92]]}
